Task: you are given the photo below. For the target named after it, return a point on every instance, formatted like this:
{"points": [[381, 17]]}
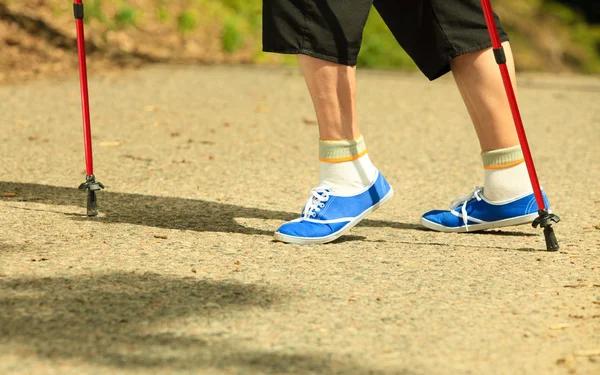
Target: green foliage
{"points": [[187, 21], [562, 13], [231, 36], [582, 34], [251, 11], [57, 10], [93, 10], [162, 13], [125, 17], [380, 49], [588, 9], [243, 7]]}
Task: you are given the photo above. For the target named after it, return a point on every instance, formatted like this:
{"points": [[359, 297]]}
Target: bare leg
{"points": [[481, 87], [345, 169], [344, 163], [333, 91], [332, 88], [506, 179]]}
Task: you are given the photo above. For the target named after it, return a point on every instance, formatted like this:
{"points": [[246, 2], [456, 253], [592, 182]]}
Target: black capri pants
{"points": [[432, 32]]}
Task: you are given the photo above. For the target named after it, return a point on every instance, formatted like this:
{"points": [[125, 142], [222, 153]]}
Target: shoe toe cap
{"points": [[445, 218], [308, 229]]}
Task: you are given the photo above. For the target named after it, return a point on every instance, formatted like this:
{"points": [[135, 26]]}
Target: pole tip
{"points": [[551, 242], [92, 204]]}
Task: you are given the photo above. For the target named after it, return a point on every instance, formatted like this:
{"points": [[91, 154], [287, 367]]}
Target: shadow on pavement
{"points": [[398, 225], [164, 212], [178, 213], [134, 321], [438, 244]]}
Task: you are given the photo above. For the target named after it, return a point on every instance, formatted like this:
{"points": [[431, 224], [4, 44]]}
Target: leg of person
{"points": [[444, 35], [332, 88], [480, 84], [350, 186], [507, 196], [345, 166]]}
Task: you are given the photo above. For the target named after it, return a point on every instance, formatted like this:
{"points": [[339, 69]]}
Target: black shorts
{"points": [[432, 32]]}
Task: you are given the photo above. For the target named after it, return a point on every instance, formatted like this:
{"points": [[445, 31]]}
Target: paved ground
{"points": [[180, 273]]}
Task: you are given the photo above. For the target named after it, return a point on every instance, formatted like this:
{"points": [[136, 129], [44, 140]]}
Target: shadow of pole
{"points": [[178, 213], [162, 212]]}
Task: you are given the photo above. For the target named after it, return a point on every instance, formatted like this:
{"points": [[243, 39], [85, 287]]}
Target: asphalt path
{"points": [[180, 273]]}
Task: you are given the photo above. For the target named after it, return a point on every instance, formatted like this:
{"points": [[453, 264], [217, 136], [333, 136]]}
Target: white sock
{"points": [[345, 166], [506, 174]]}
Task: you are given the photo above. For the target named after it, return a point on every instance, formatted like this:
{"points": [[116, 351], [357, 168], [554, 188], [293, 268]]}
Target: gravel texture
{"points": [[179, 274]]}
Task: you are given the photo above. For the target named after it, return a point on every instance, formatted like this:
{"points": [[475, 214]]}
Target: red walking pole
{"points": [[545, 219], [90, 184]]}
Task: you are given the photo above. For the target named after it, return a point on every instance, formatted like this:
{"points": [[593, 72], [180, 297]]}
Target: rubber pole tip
{"points": [[551, 242], [92, 204]]}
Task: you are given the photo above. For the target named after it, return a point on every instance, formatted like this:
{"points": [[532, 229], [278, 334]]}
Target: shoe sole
{"points": [[519, 220], [334, 236]]}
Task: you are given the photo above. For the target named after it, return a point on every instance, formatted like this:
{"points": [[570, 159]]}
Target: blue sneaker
{"points": [[327, 216], [474, 212]]}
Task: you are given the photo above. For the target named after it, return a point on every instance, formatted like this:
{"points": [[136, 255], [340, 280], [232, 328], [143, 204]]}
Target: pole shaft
{"points": [[514, 107], [85, 107]]}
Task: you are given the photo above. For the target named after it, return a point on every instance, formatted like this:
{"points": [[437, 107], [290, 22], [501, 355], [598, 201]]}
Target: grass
{"points": [[187, 21], [162, 13], [232, 38], [93, 11], [125, 17]]}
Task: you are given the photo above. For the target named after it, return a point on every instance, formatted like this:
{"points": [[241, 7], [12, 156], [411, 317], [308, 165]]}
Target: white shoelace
{"points": [[316, 201], [462, 202]]}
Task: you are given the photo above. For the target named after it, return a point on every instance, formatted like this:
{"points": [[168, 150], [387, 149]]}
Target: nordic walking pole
{"points": [[90, 183], [545, 219]]}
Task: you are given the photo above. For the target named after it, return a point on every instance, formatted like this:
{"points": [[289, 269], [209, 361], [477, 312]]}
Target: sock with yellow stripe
{"points": [[505, 174], [345, 166]]}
